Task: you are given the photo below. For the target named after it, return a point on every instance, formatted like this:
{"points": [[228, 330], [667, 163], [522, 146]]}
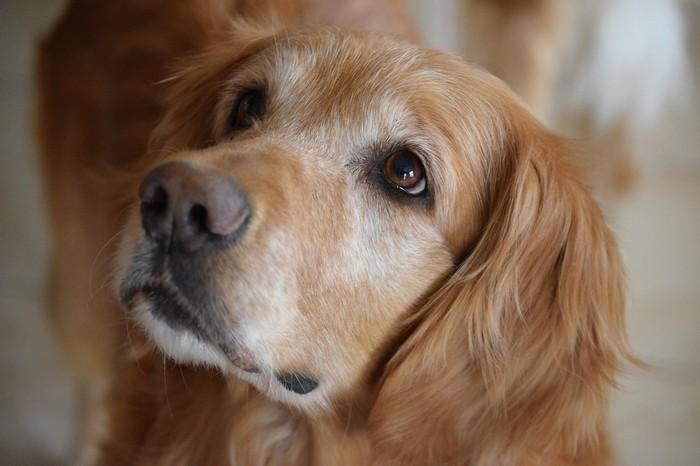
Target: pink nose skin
{"points": [[185, 207]]}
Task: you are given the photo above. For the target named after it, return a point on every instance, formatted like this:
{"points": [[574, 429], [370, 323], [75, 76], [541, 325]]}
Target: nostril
{"points": [[154, 211], [154, 205], [184, 207], [155, 198], [297, 383], [198, 217]]}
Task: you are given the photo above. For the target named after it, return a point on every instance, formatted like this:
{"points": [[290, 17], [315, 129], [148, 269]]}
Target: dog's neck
{"points": [[179, 415], [199, 417]]}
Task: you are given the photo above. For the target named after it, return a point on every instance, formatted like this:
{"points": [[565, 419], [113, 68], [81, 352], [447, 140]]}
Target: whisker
{"points": [[165, 385], [93, 265]]}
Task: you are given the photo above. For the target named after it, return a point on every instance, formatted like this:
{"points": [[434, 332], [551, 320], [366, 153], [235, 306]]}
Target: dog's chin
{"points": [[178, 344], [183, 347]]}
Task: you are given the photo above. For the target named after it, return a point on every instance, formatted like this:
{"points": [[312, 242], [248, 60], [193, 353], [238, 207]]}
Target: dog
{"points": [[336, 248]]}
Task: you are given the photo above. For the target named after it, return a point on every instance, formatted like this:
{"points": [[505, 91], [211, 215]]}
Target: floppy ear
{"points": [[517, 351], [196, 90]]}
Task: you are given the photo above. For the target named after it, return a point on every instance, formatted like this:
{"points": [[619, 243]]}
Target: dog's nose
{"points": [[184, 207]]}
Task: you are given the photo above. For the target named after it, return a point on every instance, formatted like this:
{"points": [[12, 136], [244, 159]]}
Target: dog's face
{"points": [[317, 189]]}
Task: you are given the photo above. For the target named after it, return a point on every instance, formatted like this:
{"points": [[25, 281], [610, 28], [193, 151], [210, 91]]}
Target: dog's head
{"points": [[328, 205]]}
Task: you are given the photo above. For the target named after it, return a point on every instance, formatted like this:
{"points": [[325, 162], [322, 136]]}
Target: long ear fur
{"points": [[515, 355], [194, 89]]}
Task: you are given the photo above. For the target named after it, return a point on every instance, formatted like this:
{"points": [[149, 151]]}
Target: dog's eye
{"points": [[404, 170], [249, 107]]}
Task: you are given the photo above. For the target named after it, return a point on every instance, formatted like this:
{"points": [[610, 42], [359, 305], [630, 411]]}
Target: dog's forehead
{"points": [[353, 85], [339, 59]]}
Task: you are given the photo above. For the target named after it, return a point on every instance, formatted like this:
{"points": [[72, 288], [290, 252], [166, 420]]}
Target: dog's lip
{"points": [[128, 293], [239, 356], [156, 287]]}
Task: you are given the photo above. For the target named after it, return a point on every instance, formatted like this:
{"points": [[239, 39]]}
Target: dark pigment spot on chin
{"points": [[297, 383]]}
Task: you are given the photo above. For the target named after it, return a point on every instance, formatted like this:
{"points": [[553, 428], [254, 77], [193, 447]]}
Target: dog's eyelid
{"points": [[231, 91], [249, 107], [418, 149], [418, 189]]}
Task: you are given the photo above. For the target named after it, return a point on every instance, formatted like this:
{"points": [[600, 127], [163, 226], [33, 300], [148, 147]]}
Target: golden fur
{"points": [[483, 327]]}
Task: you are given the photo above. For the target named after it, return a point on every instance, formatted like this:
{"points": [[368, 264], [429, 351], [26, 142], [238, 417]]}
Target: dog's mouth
{"points": [[168, 306], [164, 302], [168, 283], [182, 318]]}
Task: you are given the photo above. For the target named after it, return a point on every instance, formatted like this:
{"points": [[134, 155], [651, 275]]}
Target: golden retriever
{"points": [[338, 248]]}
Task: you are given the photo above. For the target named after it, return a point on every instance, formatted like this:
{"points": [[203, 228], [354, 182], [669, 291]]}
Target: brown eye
{"points": [[249, 108], [404, 170]]}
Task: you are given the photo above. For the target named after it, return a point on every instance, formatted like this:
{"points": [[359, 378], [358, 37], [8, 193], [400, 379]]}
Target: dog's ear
{"points": [[195, 92], [520, 346]]}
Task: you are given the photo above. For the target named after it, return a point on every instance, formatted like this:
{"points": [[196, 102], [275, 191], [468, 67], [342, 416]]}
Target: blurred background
{"points": [[621, 79]]}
